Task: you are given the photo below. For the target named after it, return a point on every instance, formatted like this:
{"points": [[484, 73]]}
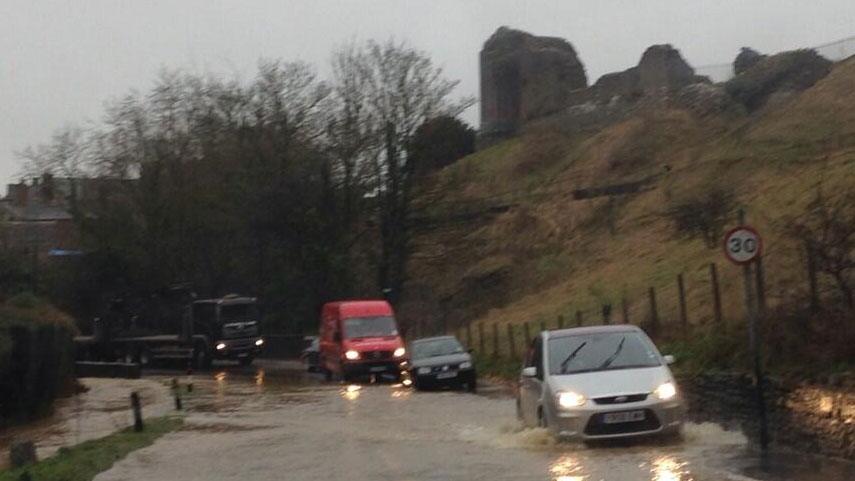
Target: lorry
{"points": [[196, 333]]}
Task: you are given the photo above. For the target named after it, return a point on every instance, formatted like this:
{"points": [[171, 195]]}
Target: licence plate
{"points": [[623, 417], [377, 369], [446, 375]]}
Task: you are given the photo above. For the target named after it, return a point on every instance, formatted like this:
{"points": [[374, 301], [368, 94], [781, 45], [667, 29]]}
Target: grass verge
{"points": [[85, 460]]}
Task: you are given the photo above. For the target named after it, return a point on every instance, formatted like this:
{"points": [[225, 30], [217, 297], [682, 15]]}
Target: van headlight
{"points": [[221, 346], [465, 365], [665, 391], [351, 355], [570, 399], [399, 352]]}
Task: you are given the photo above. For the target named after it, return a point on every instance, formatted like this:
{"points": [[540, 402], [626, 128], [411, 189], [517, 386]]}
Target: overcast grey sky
{"points": [[61, 59]]}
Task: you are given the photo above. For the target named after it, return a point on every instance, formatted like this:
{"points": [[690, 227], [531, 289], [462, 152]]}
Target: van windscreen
{"points": [[356, 327]]}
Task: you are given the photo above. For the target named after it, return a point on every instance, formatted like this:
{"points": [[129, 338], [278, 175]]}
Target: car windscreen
{"points": [[434, 348], [356, 327], [600, 352], [239, 312]]}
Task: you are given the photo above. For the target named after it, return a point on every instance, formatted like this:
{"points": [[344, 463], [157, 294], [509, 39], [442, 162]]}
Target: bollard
{"points": [[22, 453], [176, 391], [137, 410]]}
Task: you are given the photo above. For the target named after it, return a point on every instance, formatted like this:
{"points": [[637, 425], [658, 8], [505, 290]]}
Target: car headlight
{"points": [[665, 391], [221, 346], [569, 399], [399, 352], [465, 365], [259, 342], [351, 355], [423, 370]]}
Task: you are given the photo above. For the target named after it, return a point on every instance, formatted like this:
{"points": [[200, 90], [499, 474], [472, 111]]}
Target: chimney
{"points": [[17, 193]]}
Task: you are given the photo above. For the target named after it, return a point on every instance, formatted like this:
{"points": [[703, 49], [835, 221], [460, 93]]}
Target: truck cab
{"points": [[229, 327]]}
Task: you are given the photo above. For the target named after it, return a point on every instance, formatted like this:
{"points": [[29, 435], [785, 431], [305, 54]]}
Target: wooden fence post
{"points": [[654, 313], [684, 315], [495, 340], [511, 343], [527, 334], [716, 293], [579, 320], [137, 410], [811, 265], [624, 305], [481, 342]]}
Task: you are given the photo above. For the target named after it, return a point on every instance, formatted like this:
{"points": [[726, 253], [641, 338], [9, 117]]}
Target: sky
{"points": [[61, 60]]}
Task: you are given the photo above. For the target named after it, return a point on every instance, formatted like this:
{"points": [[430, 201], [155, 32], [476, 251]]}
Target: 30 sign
{"points": [[742, 244]]}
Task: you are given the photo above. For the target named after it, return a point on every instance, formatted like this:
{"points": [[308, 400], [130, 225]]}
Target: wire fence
{"points": [[701, 298], [836, 51]]}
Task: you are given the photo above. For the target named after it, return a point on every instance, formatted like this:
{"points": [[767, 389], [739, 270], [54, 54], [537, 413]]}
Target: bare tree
{"points": [[386, 91], [828, 229]]}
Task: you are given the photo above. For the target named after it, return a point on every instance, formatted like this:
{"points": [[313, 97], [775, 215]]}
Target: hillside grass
{"points": [[560, 255], [84, 461]]}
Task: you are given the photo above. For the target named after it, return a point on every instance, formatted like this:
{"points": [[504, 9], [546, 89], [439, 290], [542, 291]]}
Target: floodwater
{"points": [[103, 408], [273, 422]]}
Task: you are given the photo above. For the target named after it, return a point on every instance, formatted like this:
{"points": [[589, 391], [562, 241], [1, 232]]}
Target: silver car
{"points": [[599, 382]]}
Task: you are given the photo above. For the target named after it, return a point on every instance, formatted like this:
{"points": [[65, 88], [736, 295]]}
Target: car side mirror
{"points": [[530, 371], [669, 359]]}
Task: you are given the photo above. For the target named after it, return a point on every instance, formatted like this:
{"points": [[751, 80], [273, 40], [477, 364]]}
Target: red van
{"points": [[360, 338]]}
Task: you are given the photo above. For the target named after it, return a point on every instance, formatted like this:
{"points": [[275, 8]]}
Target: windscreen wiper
{"points": [[614, 355], [571, 356]]}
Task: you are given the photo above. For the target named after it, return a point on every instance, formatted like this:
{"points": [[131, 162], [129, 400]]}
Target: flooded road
{"points": [[103, 408], [273, 422]]}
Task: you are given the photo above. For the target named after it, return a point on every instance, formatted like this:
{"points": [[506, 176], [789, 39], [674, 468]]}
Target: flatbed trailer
{"points": [[223, 328]]}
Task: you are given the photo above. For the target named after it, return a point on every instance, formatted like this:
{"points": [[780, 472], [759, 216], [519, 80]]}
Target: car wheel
{"points": [[472, 386]]}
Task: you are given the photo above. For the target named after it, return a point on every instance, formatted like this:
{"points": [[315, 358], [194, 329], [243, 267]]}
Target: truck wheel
{"points": [[201, 356]]}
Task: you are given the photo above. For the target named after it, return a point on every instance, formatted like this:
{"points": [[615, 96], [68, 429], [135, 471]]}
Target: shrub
{"points": [[704, 213]]}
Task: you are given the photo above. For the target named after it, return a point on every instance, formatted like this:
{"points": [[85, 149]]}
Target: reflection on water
{"points": [[667, 468], [351, 392], [567, 468], [259, 377]]}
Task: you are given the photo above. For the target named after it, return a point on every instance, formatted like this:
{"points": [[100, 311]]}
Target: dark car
{"points": [[441, 362], [311, 354]]}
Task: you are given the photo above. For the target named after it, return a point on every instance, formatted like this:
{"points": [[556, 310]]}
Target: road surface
{"points": [[272, 422]]}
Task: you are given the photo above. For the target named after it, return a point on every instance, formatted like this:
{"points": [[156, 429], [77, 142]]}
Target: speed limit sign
{"points": [[742, 244]]}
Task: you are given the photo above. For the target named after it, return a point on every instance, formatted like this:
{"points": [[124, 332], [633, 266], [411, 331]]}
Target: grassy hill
{"points": [[501, 238]]}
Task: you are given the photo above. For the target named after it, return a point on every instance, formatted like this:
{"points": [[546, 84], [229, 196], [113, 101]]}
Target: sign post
{"points": [[743, 246]]}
